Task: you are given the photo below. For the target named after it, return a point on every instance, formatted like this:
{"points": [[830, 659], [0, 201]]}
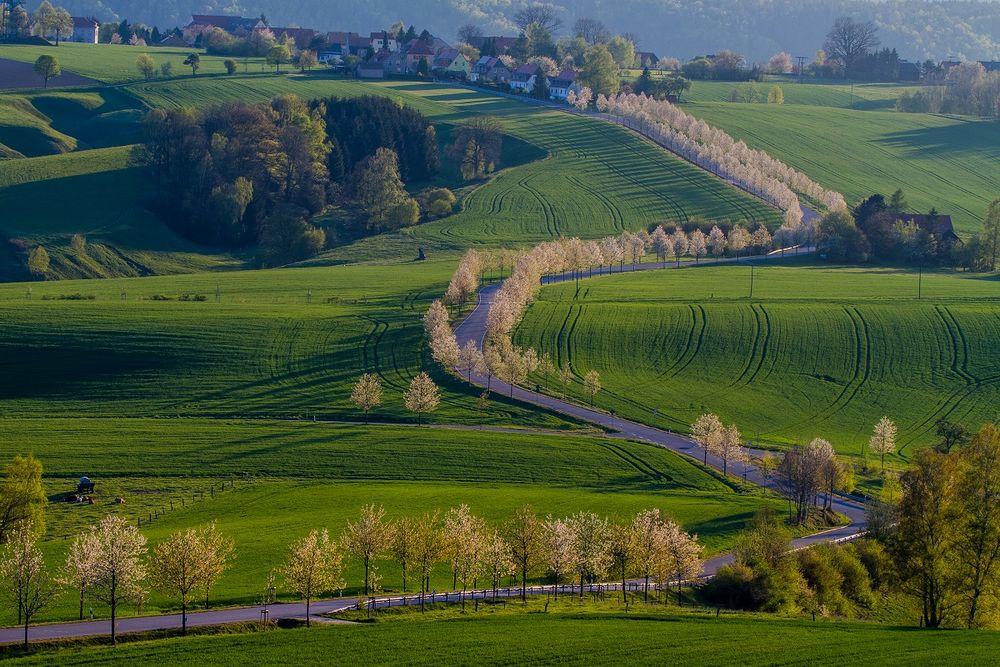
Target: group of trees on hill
{"points": [[966, 88], [237, 175]]}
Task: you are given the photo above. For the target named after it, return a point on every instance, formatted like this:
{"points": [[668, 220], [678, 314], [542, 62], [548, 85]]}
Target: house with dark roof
{"points": [[358, 46], [525, 77], [936, 224], [909, 71], [646, 59], [172, 40], [416, 51], [85, 30], [990, 65], [560, 86]]}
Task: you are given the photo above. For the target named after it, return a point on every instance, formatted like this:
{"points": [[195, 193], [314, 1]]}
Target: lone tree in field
{"points": [[367, 393], [119, 571], [178, 568], [194, 62], [592, 383], [367, 539], [708, 433], [277, 55], [313, 567], [22, 496], [23, 574], [146, 66], [525, 533], [47, 67], [849, 41], [422, 396], [883, 440]]}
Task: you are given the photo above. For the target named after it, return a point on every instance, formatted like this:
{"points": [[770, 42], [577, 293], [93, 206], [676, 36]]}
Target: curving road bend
{"points": [[473, 328]]}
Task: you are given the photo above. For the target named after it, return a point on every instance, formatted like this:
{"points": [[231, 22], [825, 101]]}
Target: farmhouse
{"points": [[451, 63], [85, 30], [646, 59], [525, 77], [560, 86], [372, 69], [490, 68], [936, 224]]}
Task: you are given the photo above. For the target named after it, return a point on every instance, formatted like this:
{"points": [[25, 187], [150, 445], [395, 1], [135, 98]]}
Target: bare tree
{"points": [[118, 565], [313, 566], [849, 41], [367, 393], [23, 574], [543, 15], [591, 30], [469, 32], [368, 538]]}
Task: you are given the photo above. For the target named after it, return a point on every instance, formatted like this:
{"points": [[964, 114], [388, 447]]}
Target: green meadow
{"points": [[818, 352], [943, 162], [285, 478], [564, 632]]}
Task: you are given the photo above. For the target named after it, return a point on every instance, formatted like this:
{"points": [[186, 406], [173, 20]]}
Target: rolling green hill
{"points": [[819, 352], [944, 162]]}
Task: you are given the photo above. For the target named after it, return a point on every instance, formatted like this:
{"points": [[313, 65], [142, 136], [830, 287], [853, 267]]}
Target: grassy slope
{"points": [[567, 634], [939, 161], [597, 179], [821, 352], [865, 96], [265, 348], [98, 194], [115, 63], [310, 475]]}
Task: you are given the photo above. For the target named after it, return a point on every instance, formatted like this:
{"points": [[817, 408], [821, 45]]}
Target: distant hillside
{"points": [[919, 29]]}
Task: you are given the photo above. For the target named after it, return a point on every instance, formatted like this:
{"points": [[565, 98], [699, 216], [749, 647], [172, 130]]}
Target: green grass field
{"points": [[285, 343], [863, 96], [820, 352], [568, 633], [115, 63], [944, 162], [306, 475]]}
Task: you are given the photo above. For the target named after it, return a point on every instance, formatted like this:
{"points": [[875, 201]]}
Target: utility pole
{"points": [[920, 281], [802, 61]]}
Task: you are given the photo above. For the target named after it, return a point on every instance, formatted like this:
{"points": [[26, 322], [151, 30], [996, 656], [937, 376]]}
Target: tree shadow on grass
{"points": [[964, 136]]}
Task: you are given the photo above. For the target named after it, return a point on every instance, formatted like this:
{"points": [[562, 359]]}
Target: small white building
{"points": [[524, 78], [85, 30], [560, 86], [383, 41]]}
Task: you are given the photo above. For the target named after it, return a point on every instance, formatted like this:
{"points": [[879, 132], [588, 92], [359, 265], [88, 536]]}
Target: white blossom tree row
{"points": [[715, 150]]}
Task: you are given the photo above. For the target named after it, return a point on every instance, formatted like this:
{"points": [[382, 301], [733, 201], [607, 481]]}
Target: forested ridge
{"points": [[919, 29]]}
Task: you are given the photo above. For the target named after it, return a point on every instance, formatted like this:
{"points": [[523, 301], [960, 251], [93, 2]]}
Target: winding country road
{"points": [[473, 328]]}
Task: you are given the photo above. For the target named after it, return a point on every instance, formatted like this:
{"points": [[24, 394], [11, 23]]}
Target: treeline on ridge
{"points": [[238, 175]]}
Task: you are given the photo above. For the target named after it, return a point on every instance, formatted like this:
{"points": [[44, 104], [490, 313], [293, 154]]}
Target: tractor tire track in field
{"points": [[959, 365], [634, 461], [551, 224], [616, 215], [758, 352], [859, 377]]}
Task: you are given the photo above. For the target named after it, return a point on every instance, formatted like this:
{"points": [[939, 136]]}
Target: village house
{"points": [[451, 63], [646, 59], [383, 41], [85, 30], [560, 86], [937, 224], [525, 77]]}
